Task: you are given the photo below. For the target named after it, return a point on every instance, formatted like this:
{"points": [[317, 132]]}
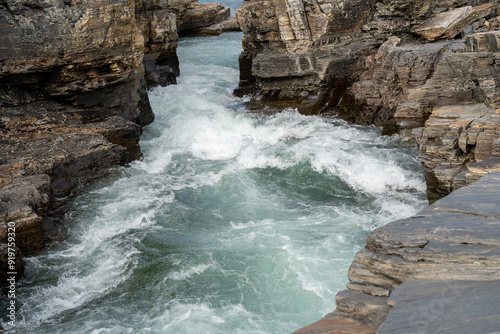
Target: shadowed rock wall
{"points": [[73, 99]]}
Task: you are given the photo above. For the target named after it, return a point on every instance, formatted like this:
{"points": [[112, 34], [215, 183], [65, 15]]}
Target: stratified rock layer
{"points": [[308, 54], [72, 103], [455, 239], [458, 145], [73, 98], [451, 23], [460, 307]]}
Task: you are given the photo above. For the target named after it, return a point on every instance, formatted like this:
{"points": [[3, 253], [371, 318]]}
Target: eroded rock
{"points": [[449, 253], [307, 55], [450, 24], [454, 138]]}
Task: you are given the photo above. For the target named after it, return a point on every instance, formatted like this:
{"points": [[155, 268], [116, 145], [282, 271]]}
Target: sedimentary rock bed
{"points": [[449, 250], [73, 98], [318, 56]]}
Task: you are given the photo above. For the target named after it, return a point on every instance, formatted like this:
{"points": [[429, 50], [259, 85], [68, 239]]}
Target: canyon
{"points": [[73, 101]]}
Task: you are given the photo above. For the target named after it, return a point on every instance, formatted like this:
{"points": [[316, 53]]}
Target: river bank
{"points": [[435, 272], [73, 101], [64, 145]]}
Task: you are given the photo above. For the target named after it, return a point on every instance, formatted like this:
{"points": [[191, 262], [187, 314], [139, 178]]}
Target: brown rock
{"points": [[382, 91], [230, 24], [483, 42], [454, 138], [451, 23], [201, 15], [367, 309]]}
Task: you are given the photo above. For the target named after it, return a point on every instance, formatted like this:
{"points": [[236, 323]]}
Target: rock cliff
{"points": [[388, 63], [310, 53], [73, 99], [428, 70], [434, 272]]}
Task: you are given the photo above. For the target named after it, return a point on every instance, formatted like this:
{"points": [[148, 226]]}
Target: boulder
{"points": [[202, 15], [451, 23]]}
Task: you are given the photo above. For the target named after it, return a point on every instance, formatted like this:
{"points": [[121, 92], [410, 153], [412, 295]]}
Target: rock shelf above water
{"points": [[446, 256]]}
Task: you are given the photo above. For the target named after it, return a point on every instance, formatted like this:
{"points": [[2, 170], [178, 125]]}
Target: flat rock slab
{"points": [[444, 307], [463, 227], [451, 23], [335, 326]]}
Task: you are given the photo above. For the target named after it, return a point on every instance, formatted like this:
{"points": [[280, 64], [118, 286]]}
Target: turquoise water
{"points": [[234, 221]]}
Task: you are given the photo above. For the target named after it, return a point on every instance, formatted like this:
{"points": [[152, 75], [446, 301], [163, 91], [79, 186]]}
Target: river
{"points": [[234, 221]]}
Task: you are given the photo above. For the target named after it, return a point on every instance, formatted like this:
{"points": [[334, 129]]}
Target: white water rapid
{"points": [[234, 222]]}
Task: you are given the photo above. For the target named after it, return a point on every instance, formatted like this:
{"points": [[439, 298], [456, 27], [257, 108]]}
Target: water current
{"points": [[234, 221]]}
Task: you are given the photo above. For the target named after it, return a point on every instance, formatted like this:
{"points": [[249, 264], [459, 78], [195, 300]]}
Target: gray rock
{"points": [[444, 307], [368, 310], [455, 239]]}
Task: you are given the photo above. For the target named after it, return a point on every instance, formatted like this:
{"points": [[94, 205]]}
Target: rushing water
{"points": [[234, 222]]}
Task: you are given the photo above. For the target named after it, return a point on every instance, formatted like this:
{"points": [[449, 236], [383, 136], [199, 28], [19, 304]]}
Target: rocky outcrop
{"points": [[201, 15], [444, 259], [367, 61], [449, 24], [301, 54], [458, 145], [73, 99], [72, 103], [407, 79], [157, 21], [308, 54], [437, 306]]}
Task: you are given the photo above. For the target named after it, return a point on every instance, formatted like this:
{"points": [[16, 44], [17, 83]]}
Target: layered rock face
{"points": [[157, 21], [308, 54], [72, 103], [73, 99], [434, 272]]}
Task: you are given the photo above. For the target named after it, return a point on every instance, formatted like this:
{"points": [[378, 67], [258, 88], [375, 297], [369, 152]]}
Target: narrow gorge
{"points": [[162, 176]]}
